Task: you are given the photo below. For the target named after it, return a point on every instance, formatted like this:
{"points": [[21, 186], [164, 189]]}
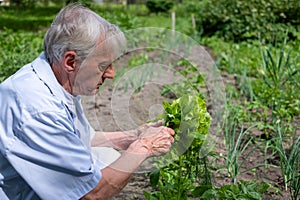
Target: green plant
{"points": [[124, 19], [191, 83], [17, 49], [245, 86], [235, 142], [187, 168], [289, 162], [187, 115], [277, 70], [26, 19], [243, 190], [233, 57], [278, 87], [240, 144]]}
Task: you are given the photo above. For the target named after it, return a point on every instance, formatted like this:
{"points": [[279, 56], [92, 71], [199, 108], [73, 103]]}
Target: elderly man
{"points": [[44, 136]]}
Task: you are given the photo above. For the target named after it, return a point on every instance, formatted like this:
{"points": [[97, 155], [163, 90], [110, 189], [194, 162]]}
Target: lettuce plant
{"points": [[184, 167], [187, 115]]}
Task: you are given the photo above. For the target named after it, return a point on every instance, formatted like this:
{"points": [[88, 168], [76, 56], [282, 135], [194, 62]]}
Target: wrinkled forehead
{"points": [[108, 50]]}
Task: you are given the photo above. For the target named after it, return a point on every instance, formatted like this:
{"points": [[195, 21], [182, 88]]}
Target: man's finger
{"points": [[155, 124]]}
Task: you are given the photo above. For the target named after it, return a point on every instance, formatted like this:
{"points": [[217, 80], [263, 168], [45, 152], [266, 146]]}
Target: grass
{"points": [[25, 19]]}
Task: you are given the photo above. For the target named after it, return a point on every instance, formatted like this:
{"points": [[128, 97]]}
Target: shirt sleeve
{"points": [[49, 155]]}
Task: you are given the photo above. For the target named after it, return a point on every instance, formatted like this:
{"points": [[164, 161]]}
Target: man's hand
{"points": [[143, 127], [155, 140]]}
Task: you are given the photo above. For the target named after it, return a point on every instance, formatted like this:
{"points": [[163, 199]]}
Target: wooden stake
{"points": [[173, 23], [193, 22]]}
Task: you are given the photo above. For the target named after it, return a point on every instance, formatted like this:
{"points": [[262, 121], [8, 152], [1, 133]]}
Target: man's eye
{"points": [[102, 67]]}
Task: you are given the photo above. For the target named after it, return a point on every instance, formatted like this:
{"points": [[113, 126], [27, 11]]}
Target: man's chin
{"points": [[90, 92]]}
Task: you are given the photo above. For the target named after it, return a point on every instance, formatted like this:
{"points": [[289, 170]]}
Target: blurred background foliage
{"points": [[241, 20], [232, 28], [235, 20]]}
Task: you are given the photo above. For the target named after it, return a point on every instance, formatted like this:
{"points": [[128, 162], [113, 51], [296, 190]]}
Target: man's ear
{"points": [[69, 61]]}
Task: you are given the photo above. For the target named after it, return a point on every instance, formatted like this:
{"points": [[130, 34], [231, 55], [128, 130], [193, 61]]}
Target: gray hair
{"points": [[79, 29]]}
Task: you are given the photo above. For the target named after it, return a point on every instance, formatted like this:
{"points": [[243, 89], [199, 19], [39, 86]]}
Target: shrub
{"points": [[159, 5], [239, 19], [188, 7]]}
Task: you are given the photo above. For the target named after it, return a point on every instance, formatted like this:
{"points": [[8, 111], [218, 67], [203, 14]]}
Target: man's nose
{"points": [[109, 72]]}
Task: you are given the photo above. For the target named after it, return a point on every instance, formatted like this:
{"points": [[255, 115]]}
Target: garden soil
{"points": [[106, 115]]}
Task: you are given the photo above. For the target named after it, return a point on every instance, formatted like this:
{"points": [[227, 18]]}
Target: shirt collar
{"points": [[43, 69]]}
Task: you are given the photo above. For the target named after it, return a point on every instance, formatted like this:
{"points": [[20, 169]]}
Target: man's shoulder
{"points": [[24, 82], [9, 85], [27, 90]]}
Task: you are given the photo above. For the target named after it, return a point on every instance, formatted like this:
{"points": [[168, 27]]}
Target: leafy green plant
{"points": [[243, 190], [187, 115], [187, 169]]}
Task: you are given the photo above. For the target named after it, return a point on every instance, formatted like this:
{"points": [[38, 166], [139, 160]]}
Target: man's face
{"points": [[92, 73]]}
